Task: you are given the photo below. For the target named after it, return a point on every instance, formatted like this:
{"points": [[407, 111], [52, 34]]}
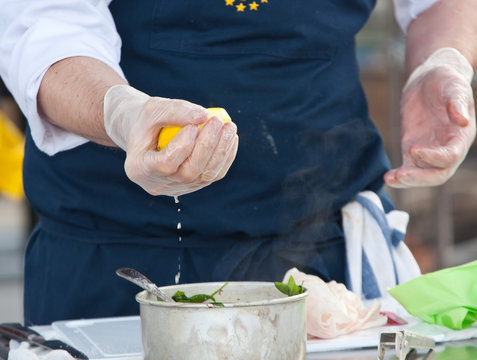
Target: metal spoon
{"points": [[142, 281]]}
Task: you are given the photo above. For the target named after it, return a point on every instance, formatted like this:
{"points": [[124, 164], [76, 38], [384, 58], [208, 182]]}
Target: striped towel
{"points": [[377, 257]]}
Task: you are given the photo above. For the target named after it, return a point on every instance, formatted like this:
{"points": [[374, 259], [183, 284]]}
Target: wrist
{"points": [[122, 106], [444, 57]]}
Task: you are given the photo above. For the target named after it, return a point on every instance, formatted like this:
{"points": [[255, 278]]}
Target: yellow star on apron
{"points": [[251, 5]]}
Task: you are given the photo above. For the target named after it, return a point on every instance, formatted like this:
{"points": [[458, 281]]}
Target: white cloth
{"points": [[407, 10], [36, 34], [23, 351], [377, 257]]}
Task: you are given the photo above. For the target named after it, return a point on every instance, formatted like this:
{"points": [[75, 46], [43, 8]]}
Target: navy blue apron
{"points": [[286, 72]]}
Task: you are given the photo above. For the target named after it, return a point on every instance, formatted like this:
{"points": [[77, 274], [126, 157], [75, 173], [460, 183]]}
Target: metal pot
{"points": [[257, 322]]}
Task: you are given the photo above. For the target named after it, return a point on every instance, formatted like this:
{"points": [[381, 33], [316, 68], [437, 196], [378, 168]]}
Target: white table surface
{"points": [[333, 349]]}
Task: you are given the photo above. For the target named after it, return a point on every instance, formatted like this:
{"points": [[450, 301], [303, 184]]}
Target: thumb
{"points": [[174, 112]]}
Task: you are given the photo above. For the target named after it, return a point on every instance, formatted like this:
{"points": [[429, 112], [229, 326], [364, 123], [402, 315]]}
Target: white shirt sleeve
{"points": [[408, 10], [34, 35]]}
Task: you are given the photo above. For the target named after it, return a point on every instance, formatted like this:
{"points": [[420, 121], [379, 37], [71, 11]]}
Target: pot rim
{"points": [[141, 297]]}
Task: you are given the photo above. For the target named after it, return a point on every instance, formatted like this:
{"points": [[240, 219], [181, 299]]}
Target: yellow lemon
{"points": [[167, 133]]}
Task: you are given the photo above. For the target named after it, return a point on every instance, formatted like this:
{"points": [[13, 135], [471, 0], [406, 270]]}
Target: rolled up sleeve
{"points": [[34, 34], [408, 10]]}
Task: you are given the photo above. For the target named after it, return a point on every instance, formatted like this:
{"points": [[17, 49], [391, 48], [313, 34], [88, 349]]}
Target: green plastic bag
{"points": [[457, 353], [446, 297]]}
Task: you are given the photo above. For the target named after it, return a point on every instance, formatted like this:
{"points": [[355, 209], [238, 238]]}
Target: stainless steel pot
{"points": [[257, 322]]}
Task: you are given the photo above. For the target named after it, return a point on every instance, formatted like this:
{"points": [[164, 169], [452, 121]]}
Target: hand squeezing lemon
{"points": [[167, 133]]}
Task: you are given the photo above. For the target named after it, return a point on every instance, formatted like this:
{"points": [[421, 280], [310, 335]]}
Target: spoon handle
{"points": [[142, 281]]}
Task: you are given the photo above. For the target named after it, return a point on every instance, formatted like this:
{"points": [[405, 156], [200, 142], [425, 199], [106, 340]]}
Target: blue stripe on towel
{"points": [[392, 236], [397, 237], [369, 283]]}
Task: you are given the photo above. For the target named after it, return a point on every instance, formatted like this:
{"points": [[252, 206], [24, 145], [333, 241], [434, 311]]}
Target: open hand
{"points": [[438, 121]]}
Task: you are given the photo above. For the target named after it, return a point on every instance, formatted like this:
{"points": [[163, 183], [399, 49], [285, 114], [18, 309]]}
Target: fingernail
{"points": [[229, 131], [216, 124]]}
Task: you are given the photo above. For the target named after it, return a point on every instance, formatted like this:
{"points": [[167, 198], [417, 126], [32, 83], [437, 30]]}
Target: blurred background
{"points": [[442, 231]]}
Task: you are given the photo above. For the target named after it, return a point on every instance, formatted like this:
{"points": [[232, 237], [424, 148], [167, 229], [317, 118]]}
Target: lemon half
{"points": [[167, 133]]}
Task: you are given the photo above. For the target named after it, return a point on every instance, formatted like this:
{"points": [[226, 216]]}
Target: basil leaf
{"points": [[291, 288], [180, 296], [282, 287]]}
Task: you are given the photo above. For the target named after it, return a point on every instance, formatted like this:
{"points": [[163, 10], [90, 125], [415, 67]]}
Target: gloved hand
{"points": [[192, 160], [438, 120]]}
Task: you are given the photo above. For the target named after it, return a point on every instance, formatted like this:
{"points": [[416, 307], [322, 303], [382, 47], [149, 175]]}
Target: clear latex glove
{"points": [[192, 160], [438, 120]]}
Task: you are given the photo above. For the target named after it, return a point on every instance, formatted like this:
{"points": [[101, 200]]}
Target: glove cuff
{"points": [[122, 106], [448, 57]]}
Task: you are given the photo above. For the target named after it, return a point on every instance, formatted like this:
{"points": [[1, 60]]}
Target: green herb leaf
{"points": [[199, 298], [180, 296], [215, 303], [282, 287], [291, 288]]}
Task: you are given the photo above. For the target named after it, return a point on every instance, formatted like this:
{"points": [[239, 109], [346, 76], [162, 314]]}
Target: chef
{"points": [[98, 80]]}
